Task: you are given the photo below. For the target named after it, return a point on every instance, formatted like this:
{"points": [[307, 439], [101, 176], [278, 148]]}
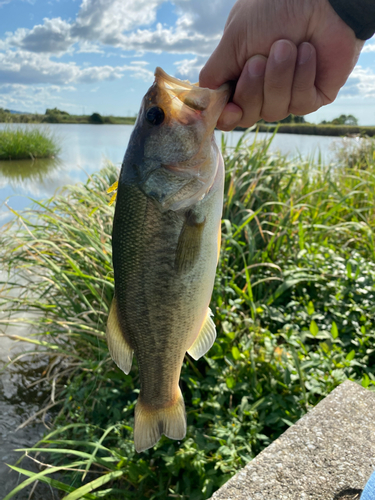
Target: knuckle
{"points": [[302, 108], [274, 116], [303, 103], [302, 85], [275, 84], [248, 122]]}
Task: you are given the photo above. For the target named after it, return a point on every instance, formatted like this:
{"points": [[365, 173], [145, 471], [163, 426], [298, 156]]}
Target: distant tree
{"points": [[345, 120], [289, 119], [96, 118], [55, 111], [50, 118]]}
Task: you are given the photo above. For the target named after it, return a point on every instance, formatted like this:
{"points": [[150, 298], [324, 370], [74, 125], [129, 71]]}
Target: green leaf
{"points": [[314, 330], [230, 382], [236, 353], [351, 355], [365, 382], [349, 270], [41, 476], [87, 488], [334, 330], [310, 308]]}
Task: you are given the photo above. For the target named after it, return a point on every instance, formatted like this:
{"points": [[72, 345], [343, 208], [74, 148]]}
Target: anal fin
{"points": [[119, 348], [205, 339]]}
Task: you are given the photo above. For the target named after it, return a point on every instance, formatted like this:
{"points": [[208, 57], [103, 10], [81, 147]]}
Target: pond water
{"points": [[20, 398], [84, 150]]}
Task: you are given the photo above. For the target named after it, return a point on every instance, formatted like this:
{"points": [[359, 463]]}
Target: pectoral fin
{"points": [[205, 339], [119, 348], [189, 243]]}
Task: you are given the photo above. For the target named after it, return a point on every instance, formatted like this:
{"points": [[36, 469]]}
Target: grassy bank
{"points": [[57, 116], [315, 129], [31, 143], [293, 304]]}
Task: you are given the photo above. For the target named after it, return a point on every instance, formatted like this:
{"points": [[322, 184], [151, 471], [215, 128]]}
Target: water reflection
{"points": [[85, 149], [21, 171]]}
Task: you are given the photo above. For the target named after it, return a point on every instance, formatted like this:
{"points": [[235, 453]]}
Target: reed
{"points": [[293, 304]]}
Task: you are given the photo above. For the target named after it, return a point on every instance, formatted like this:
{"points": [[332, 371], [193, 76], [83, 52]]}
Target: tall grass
{"points": [[27, 143], [293, 304]]}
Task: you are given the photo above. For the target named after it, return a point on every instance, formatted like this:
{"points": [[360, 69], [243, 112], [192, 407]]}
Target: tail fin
{"points": [[151, 423]]}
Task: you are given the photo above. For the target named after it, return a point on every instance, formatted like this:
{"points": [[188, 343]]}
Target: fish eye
{"points": [[155, 115]]}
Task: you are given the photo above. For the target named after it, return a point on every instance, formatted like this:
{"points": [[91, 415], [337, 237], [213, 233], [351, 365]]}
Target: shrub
{"points": [[96, 118], [31, 143], [293, 305], [359, 153]]}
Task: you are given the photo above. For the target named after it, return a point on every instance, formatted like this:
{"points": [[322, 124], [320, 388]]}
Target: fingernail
{"points": [[304, 53], [257, 66], [282, 51]]}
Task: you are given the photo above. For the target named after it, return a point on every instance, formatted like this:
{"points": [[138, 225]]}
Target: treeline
{"points": [[344, 125], [318, 129], [57, 116]]}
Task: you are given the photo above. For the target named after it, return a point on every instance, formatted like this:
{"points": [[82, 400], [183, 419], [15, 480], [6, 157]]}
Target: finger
{"points": [[248, 96], [249, 90], [305, 98], [230, 117], [278, 80], [221, 67]]}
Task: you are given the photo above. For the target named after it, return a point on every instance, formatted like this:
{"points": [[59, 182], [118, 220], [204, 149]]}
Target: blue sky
{"points": [[86, 56]]}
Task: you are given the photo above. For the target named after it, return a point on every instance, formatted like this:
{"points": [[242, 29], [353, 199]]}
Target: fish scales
{"points": [[165, 247]]}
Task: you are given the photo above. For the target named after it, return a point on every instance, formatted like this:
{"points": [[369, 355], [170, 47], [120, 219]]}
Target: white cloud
{"points": [[369, 45], [32, 97], [369, 48], [205, 17], [188, 69], [28, 56], [89, 47], [53, 36], [33, 68], [121, 23], [138, 70], [361, 83], [105, 20], [40, 81]]}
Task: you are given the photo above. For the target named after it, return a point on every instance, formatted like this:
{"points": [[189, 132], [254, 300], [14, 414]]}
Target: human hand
{"points": [[286, 56]]}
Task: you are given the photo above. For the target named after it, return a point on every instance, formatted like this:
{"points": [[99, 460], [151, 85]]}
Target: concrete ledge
{"points": [[330, 450]]}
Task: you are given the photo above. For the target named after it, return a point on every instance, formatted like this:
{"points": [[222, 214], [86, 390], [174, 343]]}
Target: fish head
{"points": [[174, 131]]}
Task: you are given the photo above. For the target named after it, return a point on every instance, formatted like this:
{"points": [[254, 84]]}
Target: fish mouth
{"points": [[179, 95]]}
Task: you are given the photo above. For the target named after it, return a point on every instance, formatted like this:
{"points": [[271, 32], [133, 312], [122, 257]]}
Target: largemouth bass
{"points": [[165, 242]]}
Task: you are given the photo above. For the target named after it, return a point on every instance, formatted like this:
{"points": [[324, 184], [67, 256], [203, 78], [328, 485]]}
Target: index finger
{"points": [[221, 67]]}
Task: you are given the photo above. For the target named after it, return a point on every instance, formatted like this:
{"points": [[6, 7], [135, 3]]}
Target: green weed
{"points": [[21, 143], [293, 305]]}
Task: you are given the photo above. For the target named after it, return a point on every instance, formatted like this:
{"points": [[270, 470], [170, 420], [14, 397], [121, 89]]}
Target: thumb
{"points": [[221, 67]]}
